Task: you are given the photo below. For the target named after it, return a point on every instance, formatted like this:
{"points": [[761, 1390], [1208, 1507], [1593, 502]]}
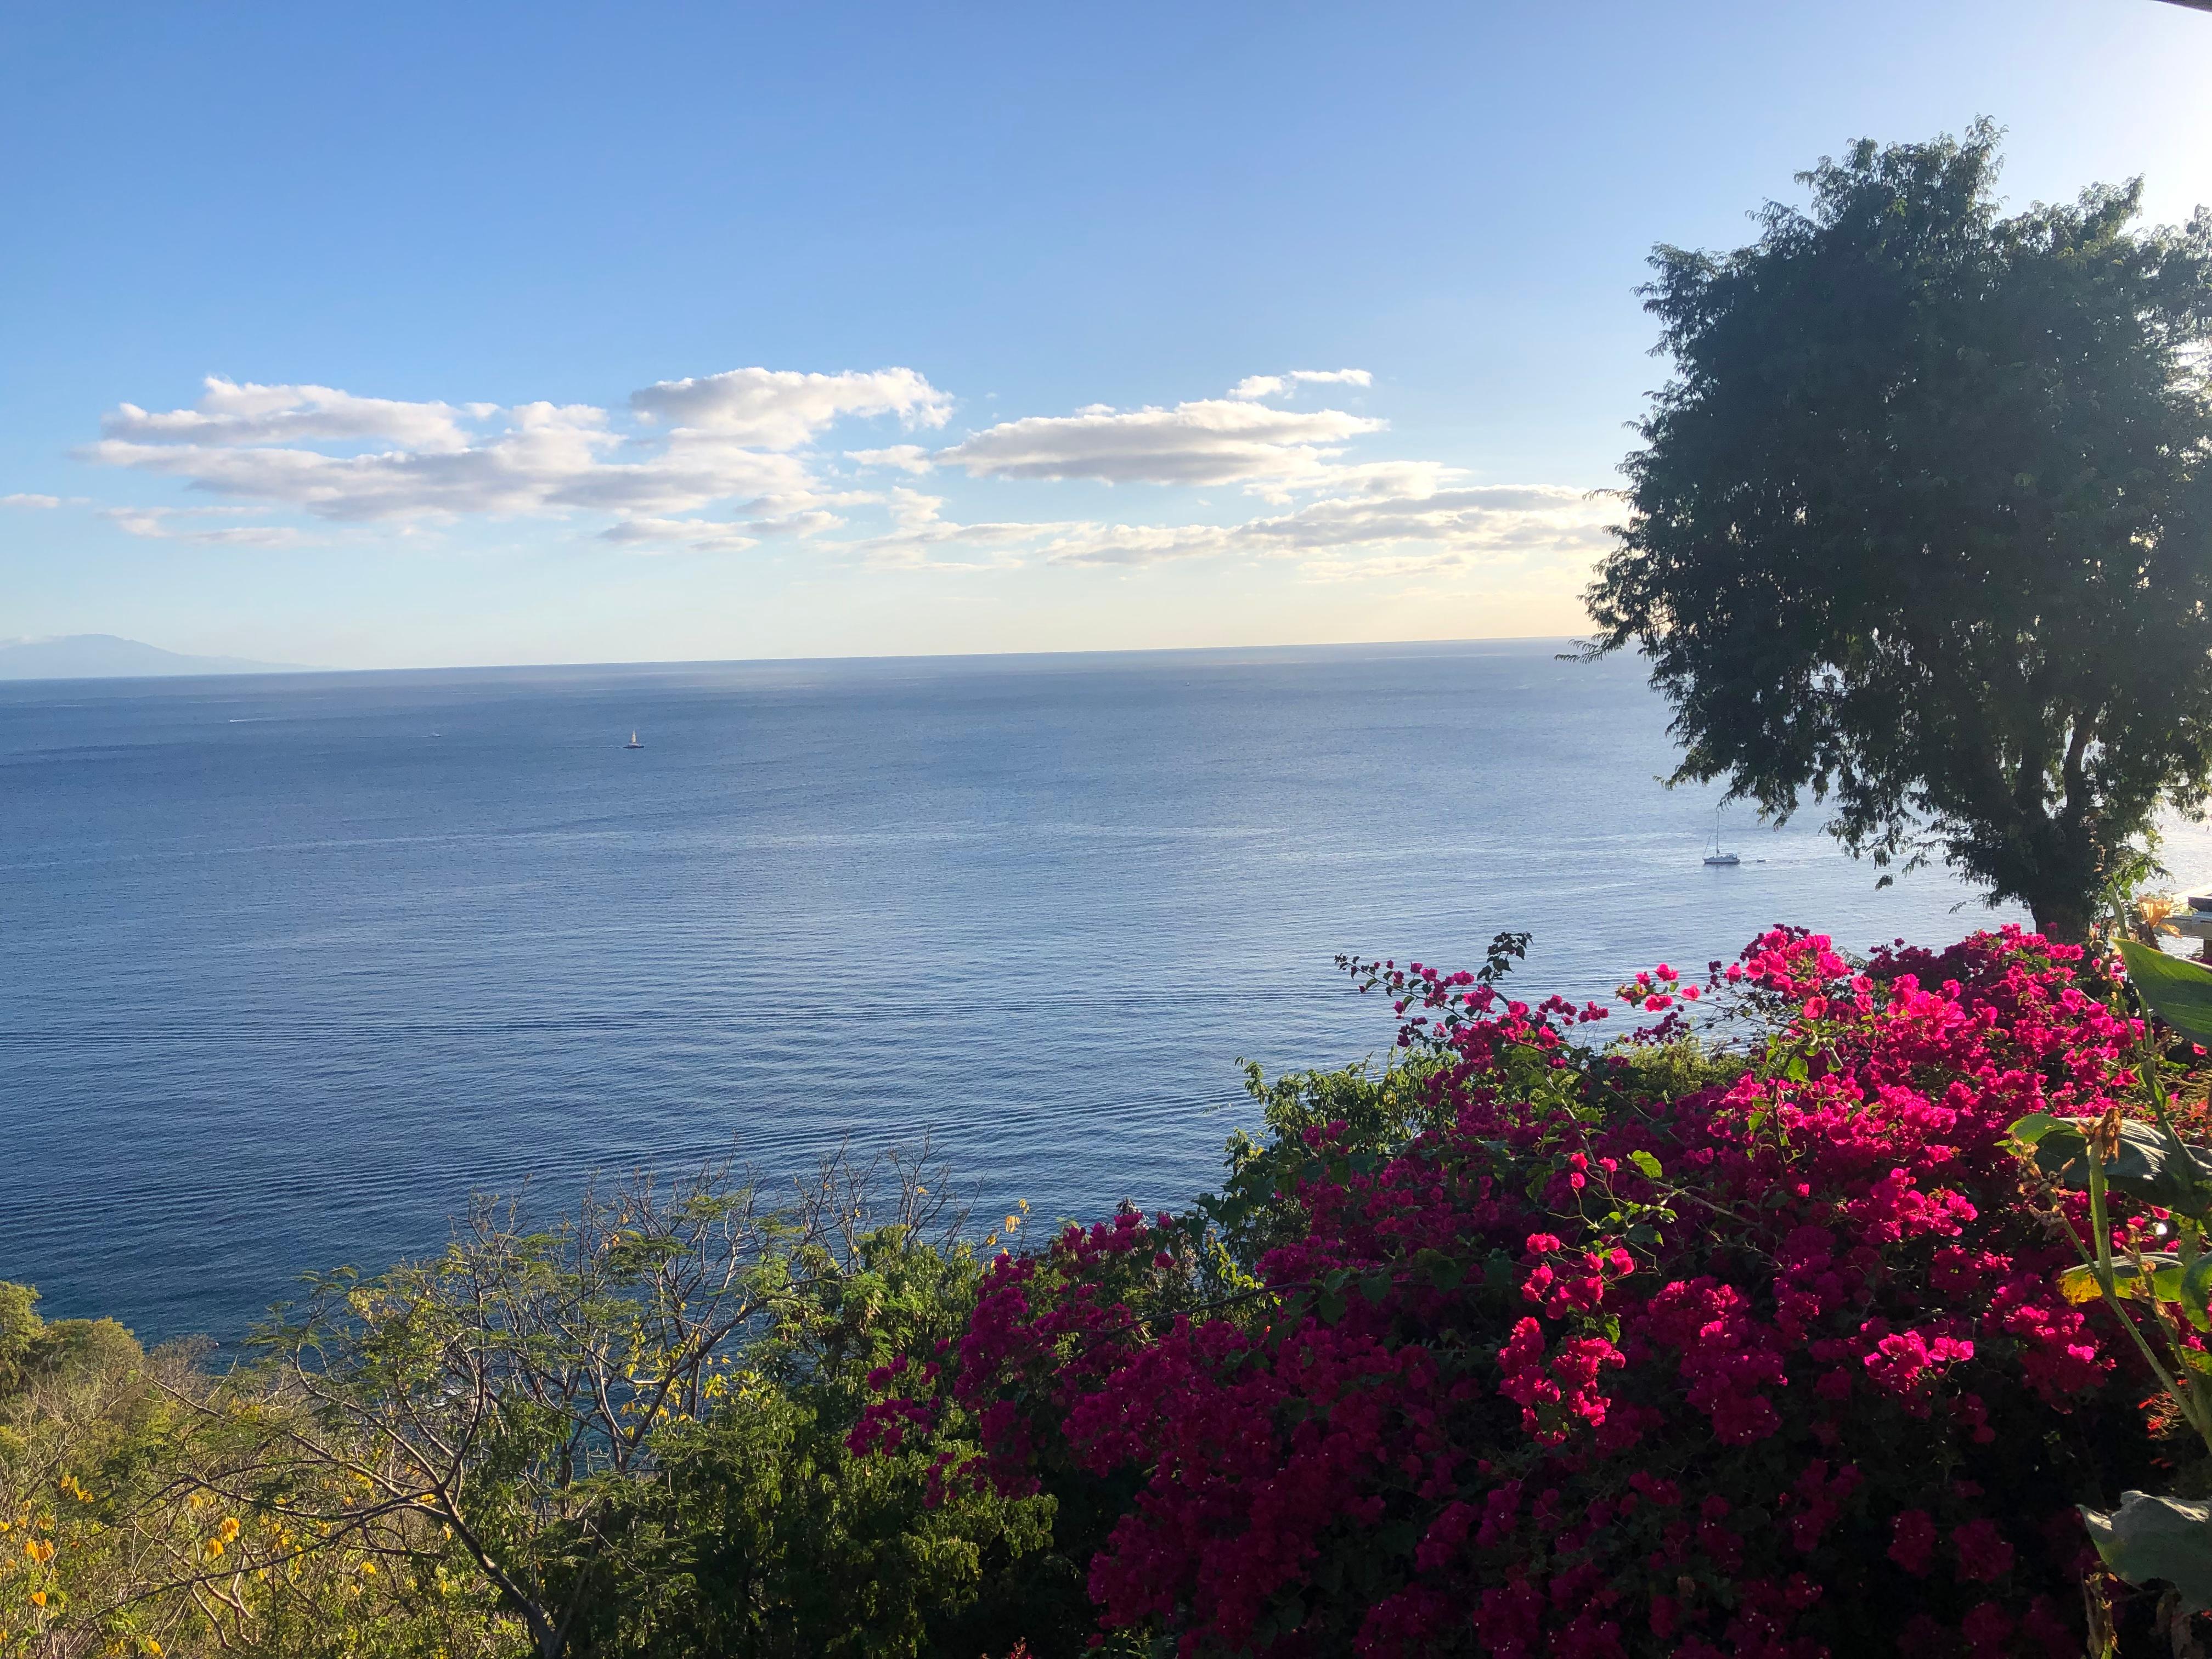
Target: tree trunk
{"points": [[2062, 920]]}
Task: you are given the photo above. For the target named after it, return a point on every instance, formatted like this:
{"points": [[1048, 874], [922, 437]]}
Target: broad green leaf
{"points": [[1444, 1272], [2177, 991], [1647, 1164], [1288, 1318], [2152, 1538], [2196, 1291], [2160, 1276], [2153, 1166], [2057, 1148], [2030, 1129]]}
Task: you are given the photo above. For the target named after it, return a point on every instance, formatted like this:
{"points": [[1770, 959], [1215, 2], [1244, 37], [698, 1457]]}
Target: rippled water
{"points": [[289, 966]]}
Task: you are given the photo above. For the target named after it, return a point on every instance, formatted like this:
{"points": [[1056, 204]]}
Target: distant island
{"points": [[104, 656]]}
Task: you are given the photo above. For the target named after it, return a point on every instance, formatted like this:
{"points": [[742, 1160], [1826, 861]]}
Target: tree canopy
{"points": [[1922, 523]]}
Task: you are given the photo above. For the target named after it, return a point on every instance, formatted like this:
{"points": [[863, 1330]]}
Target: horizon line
{"points": [[286, 672]]}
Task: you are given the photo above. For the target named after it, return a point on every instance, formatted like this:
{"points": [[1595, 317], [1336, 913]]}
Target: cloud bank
{"points": [[727, 463]]}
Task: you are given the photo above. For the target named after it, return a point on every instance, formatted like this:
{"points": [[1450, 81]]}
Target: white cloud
{"points": [[230, 413], [1211, 442], [781, 408], [210, 526], [539, 458], [1273, 385], [907, 458], [1491, 521], [671, 535], [919, 530], [1374, 534], [22, 499], [799, 516]]}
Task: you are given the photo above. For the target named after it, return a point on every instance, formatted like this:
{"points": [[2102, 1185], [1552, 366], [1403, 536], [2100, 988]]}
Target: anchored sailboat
{"points": [[1716, 856], [632, 742]]}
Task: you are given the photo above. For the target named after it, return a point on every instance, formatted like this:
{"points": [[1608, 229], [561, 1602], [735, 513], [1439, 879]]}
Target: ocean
{"points": [[291, 964]]}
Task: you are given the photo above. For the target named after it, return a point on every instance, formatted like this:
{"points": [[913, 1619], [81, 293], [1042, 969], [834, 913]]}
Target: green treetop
{"points": [[1923, 522]]}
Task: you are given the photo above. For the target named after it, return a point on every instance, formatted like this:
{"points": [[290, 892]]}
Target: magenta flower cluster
{"points": [[1772, 1367]]}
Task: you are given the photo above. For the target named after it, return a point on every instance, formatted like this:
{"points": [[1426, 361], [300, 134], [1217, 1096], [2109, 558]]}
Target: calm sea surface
{"points": [[289, 966]]}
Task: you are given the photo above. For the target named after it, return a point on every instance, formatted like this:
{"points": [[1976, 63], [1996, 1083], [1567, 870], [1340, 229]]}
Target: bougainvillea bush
{"points": [[1551, 1346]]}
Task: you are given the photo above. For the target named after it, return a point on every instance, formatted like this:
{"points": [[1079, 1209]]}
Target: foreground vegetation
{"points": [[1805, 1332]]}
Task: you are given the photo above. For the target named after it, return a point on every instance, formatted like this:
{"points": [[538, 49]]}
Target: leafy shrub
{"points": [[1751, 1340], [1663, 1350]]}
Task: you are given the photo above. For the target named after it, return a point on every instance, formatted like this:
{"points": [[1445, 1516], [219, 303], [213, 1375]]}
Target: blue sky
{"points": [[414, 334]]}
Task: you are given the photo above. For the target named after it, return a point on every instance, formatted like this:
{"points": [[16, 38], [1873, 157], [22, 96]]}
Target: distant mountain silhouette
{"points": [[103, 656]]}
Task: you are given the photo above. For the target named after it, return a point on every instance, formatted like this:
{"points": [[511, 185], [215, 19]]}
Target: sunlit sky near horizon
{"points": [[412, 336]]}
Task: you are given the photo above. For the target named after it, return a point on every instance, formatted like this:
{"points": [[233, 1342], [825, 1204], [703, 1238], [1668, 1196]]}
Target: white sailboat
{"points": [[1716, 856], [632, 742]]}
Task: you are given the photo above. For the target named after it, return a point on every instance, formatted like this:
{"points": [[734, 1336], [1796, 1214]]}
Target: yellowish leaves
{"points": [[2158, 912], [2078, 1283], [2154, 1277]]}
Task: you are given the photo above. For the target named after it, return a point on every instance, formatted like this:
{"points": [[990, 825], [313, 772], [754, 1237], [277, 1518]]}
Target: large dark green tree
{"points": [[1922, 525]]}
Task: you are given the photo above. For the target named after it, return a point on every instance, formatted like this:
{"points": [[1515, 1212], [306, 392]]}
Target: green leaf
{"points": [[1443, 1273], [2030, 1129], [1647, 1164], [2177, 991], [1376, 1286], [1288, 1318], [2195, 1298], [2152, 1538], [2153, 1166]]}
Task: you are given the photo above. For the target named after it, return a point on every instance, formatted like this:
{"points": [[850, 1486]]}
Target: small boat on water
{"points": [[1727, 860], [632, 742]]}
